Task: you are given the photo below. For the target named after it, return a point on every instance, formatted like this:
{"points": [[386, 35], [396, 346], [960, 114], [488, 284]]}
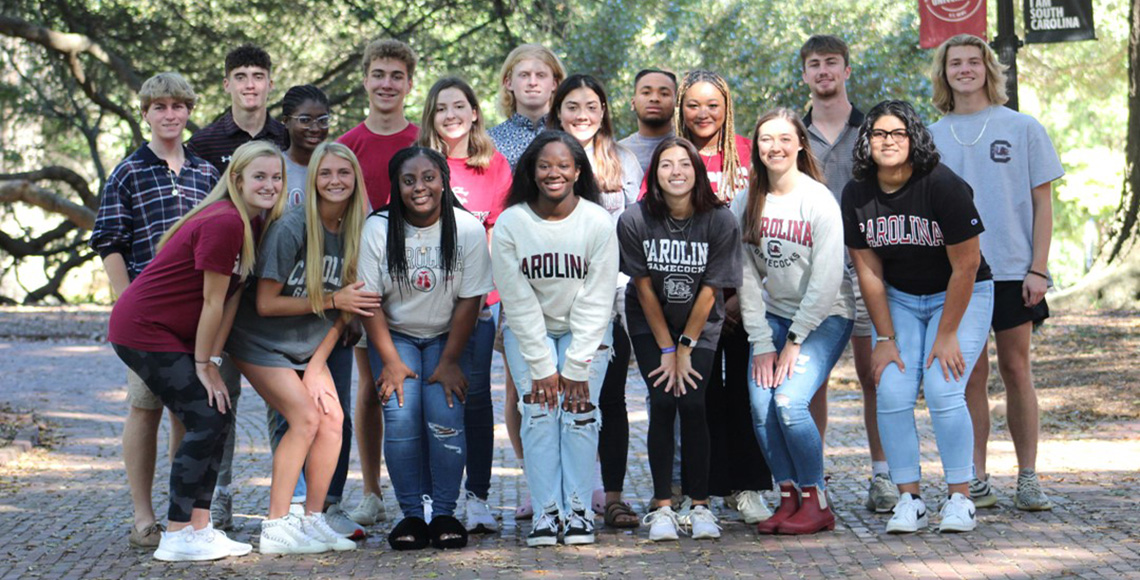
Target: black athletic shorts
{"points": [[1010, 310]]}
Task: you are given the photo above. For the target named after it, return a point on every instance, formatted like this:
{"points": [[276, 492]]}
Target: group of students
{"points": [[735, 269]]}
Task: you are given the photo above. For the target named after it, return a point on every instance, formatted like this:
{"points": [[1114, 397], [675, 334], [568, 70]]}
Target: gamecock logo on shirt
{"points": [[423, 280]]}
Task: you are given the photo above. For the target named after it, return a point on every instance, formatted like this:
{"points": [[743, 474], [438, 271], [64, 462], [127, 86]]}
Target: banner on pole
{"points": [[1058, 20], [942, 19]]}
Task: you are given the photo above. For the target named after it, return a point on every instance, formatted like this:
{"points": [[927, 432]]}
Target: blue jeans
{"points": [[417, 464], [559, 447], [916, 320], [340, 367], [784, 427], [480, 415]]}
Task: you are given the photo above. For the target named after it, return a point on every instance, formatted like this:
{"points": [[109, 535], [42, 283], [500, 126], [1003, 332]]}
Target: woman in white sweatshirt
{"points": [[798, 309], [555, 263]]}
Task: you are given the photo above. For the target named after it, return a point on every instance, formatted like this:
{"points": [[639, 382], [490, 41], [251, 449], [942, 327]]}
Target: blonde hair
{"points": [[726, 145], [995, 73], [519, 54], [229, 188], [480, 147], [351, 225], [166, 85], [390, 48]]}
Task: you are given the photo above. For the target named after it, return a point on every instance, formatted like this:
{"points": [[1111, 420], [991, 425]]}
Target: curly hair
{"points": [[923, 156], [248, 55]]}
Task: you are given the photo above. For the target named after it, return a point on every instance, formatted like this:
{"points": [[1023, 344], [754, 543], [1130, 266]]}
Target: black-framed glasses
{"points": [[898, 135], [308, 122]]}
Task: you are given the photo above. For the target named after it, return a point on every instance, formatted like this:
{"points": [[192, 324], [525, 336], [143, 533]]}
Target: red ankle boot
{"points": [[813, 516], [789, 504]]}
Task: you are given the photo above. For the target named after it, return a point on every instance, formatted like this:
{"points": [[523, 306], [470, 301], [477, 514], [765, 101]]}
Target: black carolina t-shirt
{"points": [[910, 229], [705, 252]]}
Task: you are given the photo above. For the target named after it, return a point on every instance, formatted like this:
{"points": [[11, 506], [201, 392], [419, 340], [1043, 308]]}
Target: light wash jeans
{"points": [[559, 447], [419, 464], [915, 319], [784, 427], [480, 415]]}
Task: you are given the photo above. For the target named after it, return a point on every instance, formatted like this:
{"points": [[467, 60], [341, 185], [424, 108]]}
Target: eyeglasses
{"points": [[308, 122], [898, 135]]}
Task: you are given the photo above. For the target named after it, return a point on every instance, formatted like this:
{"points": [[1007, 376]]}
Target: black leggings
{"points": [[194, 470], [663, 410], [735, 460], [613, 440]]}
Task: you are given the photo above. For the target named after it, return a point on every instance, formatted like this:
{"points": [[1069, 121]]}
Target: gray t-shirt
{"points": [[643, 148], [1003, 155], [296, 177], [285, 341], [706, 251]]}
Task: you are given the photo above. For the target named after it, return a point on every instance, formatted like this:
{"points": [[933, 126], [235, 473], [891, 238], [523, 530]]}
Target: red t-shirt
{"points": [[714, 164], [483, 192], [374, 152], [159, 311]]}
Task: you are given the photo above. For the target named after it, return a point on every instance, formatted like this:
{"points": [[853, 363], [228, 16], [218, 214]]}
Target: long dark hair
{"points": [[758, 185], [608, 172], [448, 237], [923, 156], [702, 197], [524, 188]]}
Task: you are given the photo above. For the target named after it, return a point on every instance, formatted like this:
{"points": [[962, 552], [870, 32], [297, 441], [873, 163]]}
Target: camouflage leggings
{"points": [[194, 471]]}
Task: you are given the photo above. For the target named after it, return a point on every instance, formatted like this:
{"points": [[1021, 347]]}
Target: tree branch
{"points": [[55, 173], [28, 192]]}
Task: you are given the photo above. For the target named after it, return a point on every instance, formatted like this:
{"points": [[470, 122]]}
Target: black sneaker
{"points": [[579, 529], [544, 531]]}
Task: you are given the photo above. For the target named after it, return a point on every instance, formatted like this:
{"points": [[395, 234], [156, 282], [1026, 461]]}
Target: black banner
{"points": [[1058, 20]]}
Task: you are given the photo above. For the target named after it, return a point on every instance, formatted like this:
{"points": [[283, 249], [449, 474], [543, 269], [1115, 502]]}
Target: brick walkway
{"points": [[65, 513]]}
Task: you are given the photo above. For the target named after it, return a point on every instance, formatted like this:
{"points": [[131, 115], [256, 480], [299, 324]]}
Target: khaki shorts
{"points": [[140, 396]]}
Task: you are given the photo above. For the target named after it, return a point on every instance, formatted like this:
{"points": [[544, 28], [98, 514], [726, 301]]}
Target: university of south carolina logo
{"points": [[1001, 151], [953, 10], [775, 249], [678, 288], [423, 280]]}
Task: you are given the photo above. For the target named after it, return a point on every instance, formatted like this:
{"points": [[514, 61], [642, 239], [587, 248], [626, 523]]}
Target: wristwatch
{"points": [[794, 338], [687, 341], [217, 360]]}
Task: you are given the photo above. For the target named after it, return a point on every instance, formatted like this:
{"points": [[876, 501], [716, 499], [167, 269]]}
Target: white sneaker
{"points": [[190, 545], [480, 520], [579, 528], [752, 506], [236, 548], [910, 515], [662, 524], [316, 526], [370, 511], [287, 536], [544, 530], [702, 523], [342, 524], [297, 509], [958, 515]]}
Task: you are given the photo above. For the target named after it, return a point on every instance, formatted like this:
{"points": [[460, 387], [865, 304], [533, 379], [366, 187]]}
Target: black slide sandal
{"points": [[447, 525], [413, 527]]}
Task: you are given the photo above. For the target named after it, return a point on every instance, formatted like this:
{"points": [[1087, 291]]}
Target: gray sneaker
{"points": [[222, 511], [1029, 495], [882, 495], [982, 493]]}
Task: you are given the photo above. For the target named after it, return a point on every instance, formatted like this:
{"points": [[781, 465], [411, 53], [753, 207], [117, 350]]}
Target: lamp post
{"points": [[1006, 44]]}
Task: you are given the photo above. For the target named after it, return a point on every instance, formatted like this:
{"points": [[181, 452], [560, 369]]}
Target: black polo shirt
{"points": [[217, 142]]}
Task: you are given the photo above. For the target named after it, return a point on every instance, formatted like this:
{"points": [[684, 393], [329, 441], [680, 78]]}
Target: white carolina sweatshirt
{"points": [[798, 271], [554, 277]]}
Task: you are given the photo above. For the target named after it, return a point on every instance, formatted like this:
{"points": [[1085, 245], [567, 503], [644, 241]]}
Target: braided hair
{"points": [[448, 236], [726, 143], [297, 95]]}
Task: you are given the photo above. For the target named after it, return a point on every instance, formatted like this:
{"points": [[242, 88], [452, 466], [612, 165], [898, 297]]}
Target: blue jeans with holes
{"points": [[340, 367], [480, 415], [916, 320], [784, 427], [559, 447], [424, 440]]}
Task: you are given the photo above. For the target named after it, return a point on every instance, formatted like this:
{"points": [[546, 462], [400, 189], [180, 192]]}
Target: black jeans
{"points": [[735, 460], [194, 471], [613, 440], [663, 410]]}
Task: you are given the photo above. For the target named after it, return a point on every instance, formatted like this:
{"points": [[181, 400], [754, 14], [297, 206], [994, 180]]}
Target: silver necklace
{"points": [[979, 138], [679, 227]]}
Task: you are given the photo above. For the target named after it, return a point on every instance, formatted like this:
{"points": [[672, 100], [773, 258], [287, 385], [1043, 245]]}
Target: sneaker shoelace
{"points": [[704, 516], [660, 513], [578, 521], [1028, 484], [546, 520]]}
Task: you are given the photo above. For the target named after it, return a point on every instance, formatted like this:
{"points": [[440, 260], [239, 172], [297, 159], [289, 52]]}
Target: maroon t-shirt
{"points": [[483, 192], [159, 311], [374, 152]]}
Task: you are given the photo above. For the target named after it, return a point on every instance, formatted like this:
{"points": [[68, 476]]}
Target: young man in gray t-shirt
{"points": [[654, 102], [1009, 161]]}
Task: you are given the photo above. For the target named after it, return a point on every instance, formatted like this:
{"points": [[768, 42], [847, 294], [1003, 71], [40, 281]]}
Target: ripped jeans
{"points": [[424, 440], [559, 447], [784, 427]]}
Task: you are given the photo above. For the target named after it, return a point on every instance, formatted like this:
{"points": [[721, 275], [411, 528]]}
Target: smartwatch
{"points": [[687, 341], [217, 360], [794, 338]]}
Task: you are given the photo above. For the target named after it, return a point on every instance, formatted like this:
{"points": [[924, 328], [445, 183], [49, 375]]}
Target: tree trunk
{"points": [[1125, 225]]}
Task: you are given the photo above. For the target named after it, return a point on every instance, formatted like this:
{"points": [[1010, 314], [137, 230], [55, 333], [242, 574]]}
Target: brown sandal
{"points": [[620, 515]]}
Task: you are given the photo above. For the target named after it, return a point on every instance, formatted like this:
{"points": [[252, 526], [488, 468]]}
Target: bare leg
{"points": [[818, 408], [1021, 398], [140, 447], [861, 349], [369, 425], [199, 518], [978, 402], [511, 415]]}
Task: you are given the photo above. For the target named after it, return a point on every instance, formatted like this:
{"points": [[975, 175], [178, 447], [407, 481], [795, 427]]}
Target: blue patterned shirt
{"points": [[142, 199], [512, 136]]}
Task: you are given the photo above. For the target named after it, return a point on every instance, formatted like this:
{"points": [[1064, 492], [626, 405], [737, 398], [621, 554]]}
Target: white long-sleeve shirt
{"points": [[797, 272], [556, 277]]}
